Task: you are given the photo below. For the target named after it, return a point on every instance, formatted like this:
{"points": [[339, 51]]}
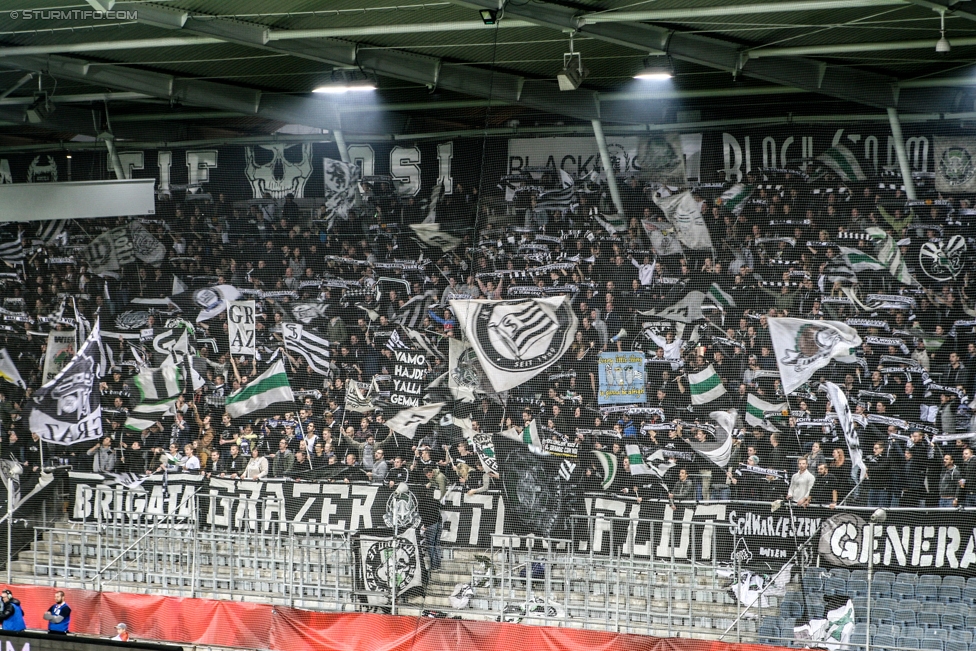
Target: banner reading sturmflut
{"points": [[68, 409], [622, 378]]}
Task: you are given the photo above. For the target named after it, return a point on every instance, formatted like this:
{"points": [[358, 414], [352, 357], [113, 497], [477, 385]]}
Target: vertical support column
{"points": [[113, 154], [906, 170], [341, 144], [601, 143]]}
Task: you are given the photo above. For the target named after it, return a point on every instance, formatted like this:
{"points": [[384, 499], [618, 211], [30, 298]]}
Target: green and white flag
{"points": [[756, 409], [608, 462], [529, 436], [705, 386], [734, 199], [264, 390], [858, 260], [655, 464], [889, 255], [832, 633], [158, 390], [843, 163], [719, 297]]}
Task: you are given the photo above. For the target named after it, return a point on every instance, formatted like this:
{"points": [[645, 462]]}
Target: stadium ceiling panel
{"points": [[196, 68]]}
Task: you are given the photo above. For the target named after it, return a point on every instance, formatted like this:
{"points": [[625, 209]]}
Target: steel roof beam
{"points": [[837, 81]]}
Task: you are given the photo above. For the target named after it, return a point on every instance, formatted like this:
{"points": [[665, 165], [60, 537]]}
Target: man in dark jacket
{"points": [[967, 482], [878, 476], [430, 520]]}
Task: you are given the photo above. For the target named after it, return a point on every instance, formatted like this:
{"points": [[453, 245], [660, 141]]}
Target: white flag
{"points": [[684, 213], [756, 409], [8, 371], [406, 421], [803, 346], [240, 327], [719, 450], [843, 409]]}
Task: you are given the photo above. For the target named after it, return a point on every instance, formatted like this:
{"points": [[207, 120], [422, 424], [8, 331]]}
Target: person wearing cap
{"points": [[12, 614], [121, 633], [58, 616]]}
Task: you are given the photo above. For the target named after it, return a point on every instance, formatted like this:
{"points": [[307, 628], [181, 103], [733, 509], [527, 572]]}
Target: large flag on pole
{"points": [[68, 409], [158, 390], [804, 346], [684, 213], [264, 390]]}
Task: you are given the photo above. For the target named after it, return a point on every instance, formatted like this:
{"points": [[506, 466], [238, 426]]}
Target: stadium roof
{"points": [[208, 70]]}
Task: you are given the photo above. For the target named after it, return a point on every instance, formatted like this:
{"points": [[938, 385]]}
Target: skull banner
{"points": [[278, 169]]}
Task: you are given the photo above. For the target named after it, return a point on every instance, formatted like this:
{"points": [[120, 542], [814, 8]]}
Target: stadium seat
{"points": [[882, 616], [880, 589], [886, 629], [957, 581], [956, 646], [885, 602], [907, 577], [908, 642], [835, 586], [905, 617], [858, 640], [971, 581], [790, 608], [840, 573], [914, 604], [857, 587], [930, 579], [813, 584], [884, 577], [927, 592], [950, 594], [769, 634], [913, 631], [928, 620], [940, 633], [815, 571], [932, 607], [968, 595], [953, 621], [932, 644], [860, 575], [901, 590], [883, 641], [956, 609], [961, 636]]}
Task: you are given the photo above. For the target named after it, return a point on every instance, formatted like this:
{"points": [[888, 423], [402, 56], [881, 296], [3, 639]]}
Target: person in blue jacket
{"points": [[58, 616], [12, 615]]}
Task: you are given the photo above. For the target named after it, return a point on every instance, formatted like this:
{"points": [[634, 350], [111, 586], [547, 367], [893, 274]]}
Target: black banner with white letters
{"points": [[751, 534]]}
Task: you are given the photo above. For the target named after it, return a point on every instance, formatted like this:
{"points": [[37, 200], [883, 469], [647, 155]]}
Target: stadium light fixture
{"points": [[942, 46], [352, 80], [655, 71], [573, 72]]}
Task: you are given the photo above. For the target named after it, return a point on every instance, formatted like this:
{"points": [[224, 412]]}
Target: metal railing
{"points": [[671, 586]]}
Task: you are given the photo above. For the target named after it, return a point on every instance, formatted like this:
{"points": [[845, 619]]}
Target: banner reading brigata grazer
{"points": [[622, 378]]}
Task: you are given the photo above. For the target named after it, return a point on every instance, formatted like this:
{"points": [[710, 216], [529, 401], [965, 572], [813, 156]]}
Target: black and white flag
{"points": [[68, 409], [313, 348], [515, 340], [360, 396], [12, 250], [414, 310], [386, 561], [838, 400], [408, 420], [241, 327], [409, 371]]}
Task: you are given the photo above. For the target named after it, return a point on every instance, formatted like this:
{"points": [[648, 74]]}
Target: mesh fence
{"points": [[593, 394]]}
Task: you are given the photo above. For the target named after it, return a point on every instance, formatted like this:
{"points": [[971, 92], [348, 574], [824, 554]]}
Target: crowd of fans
{"points": [[771, 257]]}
